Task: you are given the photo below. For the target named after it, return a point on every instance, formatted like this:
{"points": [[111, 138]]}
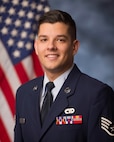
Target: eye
{"points": [[61, 40], [43, 39]]}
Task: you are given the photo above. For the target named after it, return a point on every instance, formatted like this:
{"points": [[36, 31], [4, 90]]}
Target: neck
{"points": [[53, 75]]}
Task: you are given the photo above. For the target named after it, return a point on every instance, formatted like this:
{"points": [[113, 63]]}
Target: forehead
{"points": [[49, 28]]}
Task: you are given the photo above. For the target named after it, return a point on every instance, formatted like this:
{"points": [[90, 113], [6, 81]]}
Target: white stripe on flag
{"points": [[8, 69], [6, 116], [28, 67]]}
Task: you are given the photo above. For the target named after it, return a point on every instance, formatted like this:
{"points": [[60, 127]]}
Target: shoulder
{"points": [[30, 85], [85, 80], [89, 85], [88, 80], [92, 83], [95, 88]]}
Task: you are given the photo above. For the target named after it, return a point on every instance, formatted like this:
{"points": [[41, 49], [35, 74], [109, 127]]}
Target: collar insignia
{"points": [[35, 88], [67, 90]]}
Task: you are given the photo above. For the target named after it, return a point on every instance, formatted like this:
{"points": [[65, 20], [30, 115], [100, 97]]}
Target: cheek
{"points": [[68, 52], [38, 50], [41, 55]]}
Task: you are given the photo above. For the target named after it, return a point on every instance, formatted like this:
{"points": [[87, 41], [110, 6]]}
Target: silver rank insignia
{"points": [[107, 126]]}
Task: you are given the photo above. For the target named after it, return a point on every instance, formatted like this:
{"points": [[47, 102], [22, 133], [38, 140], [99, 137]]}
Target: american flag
{"points": [[18, 62]]}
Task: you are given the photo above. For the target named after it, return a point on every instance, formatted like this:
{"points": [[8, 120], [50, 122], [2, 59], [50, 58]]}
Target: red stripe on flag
{"points": [[21, 73], [7, 91], [37, 67], [3, 133]]}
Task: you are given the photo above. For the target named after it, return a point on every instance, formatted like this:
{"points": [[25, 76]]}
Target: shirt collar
{"points": [[58, 82]]}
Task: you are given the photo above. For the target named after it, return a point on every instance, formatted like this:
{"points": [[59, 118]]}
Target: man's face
{"points": [[55, 47]]}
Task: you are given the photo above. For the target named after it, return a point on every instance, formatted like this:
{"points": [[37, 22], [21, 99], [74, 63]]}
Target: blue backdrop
{"points": [[95, 25]]}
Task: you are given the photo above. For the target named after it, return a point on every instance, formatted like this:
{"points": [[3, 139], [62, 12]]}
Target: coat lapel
{"points": [[36, 88], [61, 101]]}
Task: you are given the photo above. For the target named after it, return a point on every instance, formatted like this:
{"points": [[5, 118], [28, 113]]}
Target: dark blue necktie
{"points": [[47, 100]]}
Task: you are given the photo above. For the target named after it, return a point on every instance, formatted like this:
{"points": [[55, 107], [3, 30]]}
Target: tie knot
{"points": [[50, 86]]}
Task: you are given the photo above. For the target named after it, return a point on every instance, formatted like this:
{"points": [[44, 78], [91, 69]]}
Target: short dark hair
{"points": [[54, 16]]}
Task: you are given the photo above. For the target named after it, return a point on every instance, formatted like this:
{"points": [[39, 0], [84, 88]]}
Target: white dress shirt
{"points": [[58, 82]]}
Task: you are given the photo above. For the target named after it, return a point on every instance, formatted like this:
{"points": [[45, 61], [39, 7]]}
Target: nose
{"points": [[51, 45]]}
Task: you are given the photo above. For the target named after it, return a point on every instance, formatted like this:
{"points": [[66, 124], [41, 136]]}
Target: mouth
{"points": [[52, 56]]}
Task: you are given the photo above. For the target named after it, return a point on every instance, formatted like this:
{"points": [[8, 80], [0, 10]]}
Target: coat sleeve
{"points": [[101, 117]]}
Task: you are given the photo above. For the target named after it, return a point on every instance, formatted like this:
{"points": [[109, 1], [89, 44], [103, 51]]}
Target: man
{"points": [[82, 108]]}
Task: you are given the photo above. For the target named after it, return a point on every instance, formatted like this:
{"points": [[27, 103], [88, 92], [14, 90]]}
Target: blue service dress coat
{"points": [[82, 112]]}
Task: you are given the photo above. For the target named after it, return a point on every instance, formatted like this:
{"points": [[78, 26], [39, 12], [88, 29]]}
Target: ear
{"points": [[75, 46], [35, 47]]}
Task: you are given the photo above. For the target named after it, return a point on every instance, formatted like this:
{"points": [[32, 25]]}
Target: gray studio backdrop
{"points": [[95, 25]]}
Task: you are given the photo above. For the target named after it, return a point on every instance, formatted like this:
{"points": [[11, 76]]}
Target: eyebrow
{"points": [[56, 36], [42, 36], [62, 36]]}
